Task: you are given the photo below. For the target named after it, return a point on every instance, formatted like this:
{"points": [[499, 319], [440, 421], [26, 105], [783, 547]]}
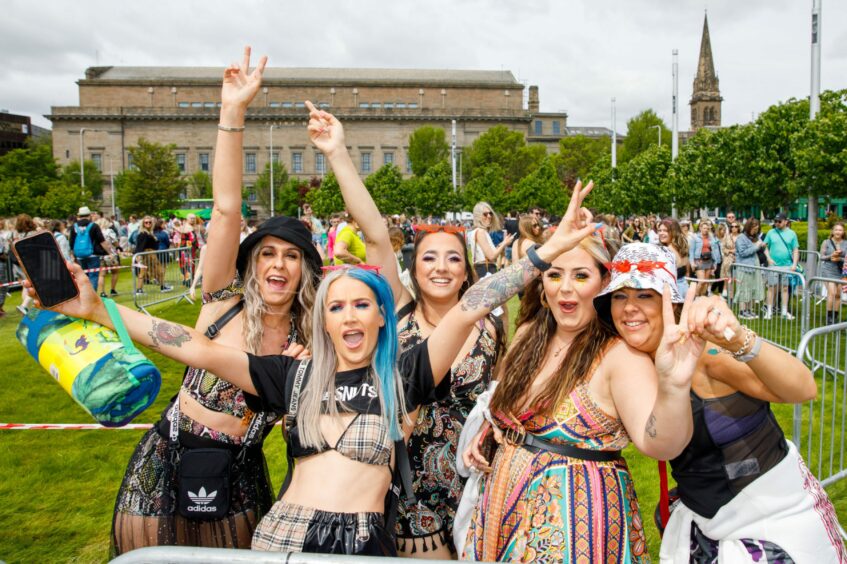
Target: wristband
{"points": [[230, 129], [754, 351], [536, 260]]}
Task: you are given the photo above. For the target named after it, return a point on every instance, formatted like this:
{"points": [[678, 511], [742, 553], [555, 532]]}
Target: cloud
{"points": [[579, 53]]}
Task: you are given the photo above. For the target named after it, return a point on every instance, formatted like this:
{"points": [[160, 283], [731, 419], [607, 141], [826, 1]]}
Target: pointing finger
{"points": [[245, 60], [689, 299]]}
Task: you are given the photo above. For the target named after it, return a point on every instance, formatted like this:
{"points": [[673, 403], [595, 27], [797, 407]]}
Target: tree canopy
{"points": [[153, 183], [427, 147]]}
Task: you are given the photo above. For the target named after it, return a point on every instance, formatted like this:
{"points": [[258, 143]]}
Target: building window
{"points": [[129, 163], [376, 105], [97, 159], [388, 105], [183, 104], [274, 104], [208, 104], [287, 105], [275, 157], [408, 164], [323, 105], [299, 105], [388, 158], [196, 104], [297, 162], [401, 105], [250, 163], [364, 105], [204, 162], [251, 193], [538, 127], [413, 105], [556, 130], [320, 163], [366, 162], [67, 153], [180, 162]]}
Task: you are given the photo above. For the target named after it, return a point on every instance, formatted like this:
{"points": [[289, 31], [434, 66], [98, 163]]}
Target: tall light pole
{"points": [[271, 160], [614, 136], [112, 184], [81, 160], [659, 129], [675, 120], [814, 108], [453, 153]]}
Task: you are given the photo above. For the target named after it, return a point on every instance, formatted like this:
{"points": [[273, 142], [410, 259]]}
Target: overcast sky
{"points": [[580, 53]]}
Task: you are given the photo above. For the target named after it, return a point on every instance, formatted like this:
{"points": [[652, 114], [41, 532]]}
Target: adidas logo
{"points": [[201, 497]]}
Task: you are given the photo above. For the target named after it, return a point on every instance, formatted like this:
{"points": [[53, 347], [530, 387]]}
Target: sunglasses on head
{"points": [[372, 267], [435, 228], [642, 266]]}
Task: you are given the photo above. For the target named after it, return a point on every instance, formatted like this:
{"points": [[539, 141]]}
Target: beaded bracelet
{"points": [[749, 336]]}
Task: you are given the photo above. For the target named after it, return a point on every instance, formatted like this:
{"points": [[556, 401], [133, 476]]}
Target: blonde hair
{"points": [[479, 209], [255, 308]]}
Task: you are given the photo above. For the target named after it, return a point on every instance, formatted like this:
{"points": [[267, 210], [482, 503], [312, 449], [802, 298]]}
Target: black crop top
{"points": [[736, 439], [366, 438]]}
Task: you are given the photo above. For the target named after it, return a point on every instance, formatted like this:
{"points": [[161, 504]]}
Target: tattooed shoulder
{"points": [[650, 428], [169, 334]]}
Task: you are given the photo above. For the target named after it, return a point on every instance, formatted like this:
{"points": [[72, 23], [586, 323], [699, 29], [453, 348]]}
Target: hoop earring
{"points": [[544, 303]]}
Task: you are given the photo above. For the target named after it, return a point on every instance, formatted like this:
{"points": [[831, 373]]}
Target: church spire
{"points": [[706, 96]]}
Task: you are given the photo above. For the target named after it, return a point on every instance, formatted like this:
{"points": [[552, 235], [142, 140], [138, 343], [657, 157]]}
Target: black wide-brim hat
{"points": [[288, 229]]}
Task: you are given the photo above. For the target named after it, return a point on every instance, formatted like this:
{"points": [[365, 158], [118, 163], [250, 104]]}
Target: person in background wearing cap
{"points": [[259, 295], [743, 487], [88, 251], [782, 250]]}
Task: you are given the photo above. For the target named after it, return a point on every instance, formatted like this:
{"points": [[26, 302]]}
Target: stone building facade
{"points": [[380, 108]]}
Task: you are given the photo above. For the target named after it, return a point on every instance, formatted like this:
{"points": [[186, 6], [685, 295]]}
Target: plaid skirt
{"points": [[293, 528], [145, 509]]}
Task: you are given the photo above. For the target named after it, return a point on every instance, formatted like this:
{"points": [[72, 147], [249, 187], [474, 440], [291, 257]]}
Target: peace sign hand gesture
{"points": [[679, 350], [325, 130], [576, 224], [240, 86]]}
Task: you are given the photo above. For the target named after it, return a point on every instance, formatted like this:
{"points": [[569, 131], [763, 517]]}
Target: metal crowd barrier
{"points": [[818, 291], [194, 555], [810, 260], [749, 290], [162, 276], [820, 425]]}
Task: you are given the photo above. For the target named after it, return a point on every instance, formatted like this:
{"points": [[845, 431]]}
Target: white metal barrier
{"points": [[160, 276], [195, 555], [820, 425]]}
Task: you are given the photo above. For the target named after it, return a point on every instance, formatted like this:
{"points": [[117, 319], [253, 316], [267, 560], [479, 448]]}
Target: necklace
{"points": [[559, 350]]}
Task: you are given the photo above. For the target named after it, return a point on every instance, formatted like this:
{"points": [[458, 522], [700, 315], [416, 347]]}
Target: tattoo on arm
{"points": [[168, 334], [494, 290], [650, 428]]}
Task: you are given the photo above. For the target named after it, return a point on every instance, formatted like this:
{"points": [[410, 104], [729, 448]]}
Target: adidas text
{"points": [[202, 508]]}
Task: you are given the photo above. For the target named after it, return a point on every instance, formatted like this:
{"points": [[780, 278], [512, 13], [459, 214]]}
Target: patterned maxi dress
{"points": [[546, 507], [432, 446]]}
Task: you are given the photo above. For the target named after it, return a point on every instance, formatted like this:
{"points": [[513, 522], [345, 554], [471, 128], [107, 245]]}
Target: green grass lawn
{"points": [[58, 487]]}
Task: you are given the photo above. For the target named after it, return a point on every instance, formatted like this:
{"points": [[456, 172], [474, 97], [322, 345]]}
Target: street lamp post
{"points": [[614, 136], [112, 184], [271, 160], [659, 129], [81, 160]]}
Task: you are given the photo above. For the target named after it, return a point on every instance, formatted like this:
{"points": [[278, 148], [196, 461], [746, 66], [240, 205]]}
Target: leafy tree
{"points": [[427, 147], [641, 134], [93, 178], [577, 155], [487, 185], [153, 183], [15, 197], [507, 150], [263, 185], [820, 149], [34, 165], [326, 199], [385, 186], [640, 188], [199, 185], [433, 192], [63, 199], [288, 199], [541, 188]]}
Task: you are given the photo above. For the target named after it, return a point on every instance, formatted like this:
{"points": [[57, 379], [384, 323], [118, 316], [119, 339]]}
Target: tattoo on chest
{"points": [[650, 428], [168, 334]]}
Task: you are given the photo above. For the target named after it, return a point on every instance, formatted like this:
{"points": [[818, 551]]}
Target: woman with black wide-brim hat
{"points": [[258, 297]]}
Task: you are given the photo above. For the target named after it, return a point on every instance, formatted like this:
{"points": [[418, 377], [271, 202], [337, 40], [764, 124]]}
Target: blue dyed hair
{"points": [[385, 355]]}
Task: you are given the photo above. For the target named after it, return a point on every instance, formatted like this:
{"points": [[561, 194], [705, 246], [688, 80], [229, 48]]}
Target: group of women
{"points": [[375, 384]]}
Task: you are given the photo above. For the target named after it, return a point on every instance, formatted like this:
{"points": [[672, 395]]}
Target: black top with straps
{"points": [[736, 439]]}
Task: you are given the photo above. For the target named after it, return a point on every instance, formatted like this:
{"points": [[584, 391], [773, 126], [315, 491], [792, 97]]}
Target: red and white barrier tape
{"points": [[98, 269], [75, 426]]}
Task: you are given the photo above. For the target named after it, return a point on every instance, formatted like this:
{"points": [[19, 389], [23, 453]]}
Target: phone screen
{"points": [[45, 267]]}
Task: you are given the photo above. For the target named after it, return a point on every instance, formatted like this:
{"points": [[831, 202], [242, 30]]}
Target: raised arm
{"points": [[183, 344], [447, 339], [327, 134], [239, 89]]}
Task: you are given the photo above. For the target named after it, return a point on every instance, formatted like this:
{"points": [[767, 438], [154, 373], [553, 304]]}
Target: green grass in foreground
{"points": [[58, 488]]}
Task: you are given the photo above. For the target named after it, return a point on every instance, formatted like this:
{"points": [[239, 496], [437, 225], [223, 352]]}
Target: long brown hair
{"points": [[678, 239], [527, 352]]}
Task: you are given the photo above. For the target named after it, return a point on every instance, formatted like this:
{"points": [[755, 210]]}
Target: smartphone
{"points": [[45, 267]]}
